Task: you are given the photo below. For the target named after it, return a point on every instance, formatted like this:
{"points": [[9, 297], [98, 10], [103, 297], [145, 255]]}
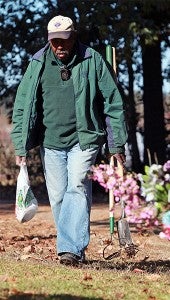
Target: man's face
{"points": [[63, 48]]}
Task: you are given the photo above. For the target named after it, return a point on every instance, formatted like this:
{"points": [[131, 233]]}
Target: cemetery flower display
{"points": [[146, 196]]}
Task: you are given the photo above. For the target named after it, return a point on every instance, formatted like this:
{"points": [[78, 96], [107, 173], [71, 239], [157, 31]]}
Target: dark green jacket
{"points": [[98, 104]]}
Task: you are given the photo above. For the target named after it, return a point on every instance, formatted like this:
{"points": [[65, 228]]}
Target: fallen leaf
{"points": [[29, 249], [107, 242], [24, 257], [36, 240], [14, 292], [87, 277], [119, 296], [3, 278], [2, 248], [40, 250], [136, 270], [152, 298]]}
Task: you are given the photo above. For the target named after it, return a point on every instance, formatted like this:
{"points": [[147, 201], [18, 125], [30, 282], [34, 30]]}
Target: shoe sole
{"points": [[69, 261]]}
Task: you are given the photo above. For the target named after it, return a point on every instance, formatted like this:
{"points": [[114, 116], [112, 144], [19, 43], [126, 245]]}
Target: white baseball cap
{"points": [[60, 27]]}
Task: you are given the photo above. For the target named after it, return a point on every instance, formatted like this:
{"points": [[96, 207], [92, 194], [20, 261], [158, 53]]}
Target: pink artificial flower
{"points": [[166, 166], [156, 223], [117, 193], [165, 234]]}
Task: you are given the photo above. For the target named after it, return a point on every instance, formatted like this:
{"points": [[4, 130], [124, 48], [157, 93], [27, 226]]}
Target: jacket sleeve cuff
{"points": [[115, 150], [21, 152]]}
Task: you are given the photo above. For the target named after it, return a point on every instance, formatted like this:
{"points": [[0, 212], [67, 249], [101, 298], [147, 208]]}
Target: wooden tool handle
{"points": [[120, 169]]}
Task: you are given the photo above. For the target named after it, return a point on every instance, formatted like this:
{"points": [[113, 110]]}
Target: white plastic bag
{"points": [[26, 204]]}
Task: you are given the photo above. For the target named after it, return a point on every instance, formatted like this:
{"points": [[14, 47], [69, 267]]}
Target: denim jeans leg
{"points": [[55, 172], [73, 233]]}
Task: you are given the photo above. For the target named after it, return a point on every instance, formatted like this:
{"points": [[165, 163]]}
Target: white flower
{"points": [[150, 197], [167, 177], [156, 169]]}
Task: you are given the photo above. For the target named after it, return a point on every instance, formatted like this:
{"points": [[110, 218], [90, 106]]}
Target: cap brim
{"points": [[59, 35]]}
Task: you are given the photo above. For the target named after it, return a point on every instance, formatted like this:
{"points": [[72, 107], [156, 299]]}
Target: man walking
{"points": [[69, 104]]}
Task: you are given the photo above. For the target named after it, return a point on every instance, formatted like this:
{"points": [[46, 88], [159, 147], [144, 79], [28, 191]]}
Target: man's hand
{"points": [[20, 160]]}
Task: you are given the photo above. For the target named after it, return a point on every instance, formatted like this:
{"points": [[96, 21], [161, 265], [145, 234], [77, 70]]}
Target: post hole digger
{"points": [[117, 217], [117, 210]]}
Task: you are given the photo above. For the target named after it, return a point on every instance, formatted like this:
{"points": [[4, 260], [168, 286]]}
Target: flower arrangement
{"points": [[146, 196]]}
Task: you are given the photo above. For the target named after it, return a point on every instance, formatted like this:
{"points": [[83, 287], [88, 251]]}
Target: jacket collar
{"points": [[38, 54], [83, 51]]}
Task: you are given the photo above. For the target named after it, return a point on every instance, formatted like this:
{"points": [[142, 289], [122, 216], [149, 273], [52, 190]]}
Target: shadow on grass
{"points": [[25, 296], [155, 266]]}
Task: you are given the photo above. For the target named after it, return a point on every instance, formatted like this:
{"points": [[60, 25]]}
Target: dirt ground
{"points": [[36, 240]]}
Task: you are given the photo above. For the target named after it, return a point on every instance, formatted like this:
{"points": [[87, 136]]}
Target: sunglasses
{"points": [[65, 73]]}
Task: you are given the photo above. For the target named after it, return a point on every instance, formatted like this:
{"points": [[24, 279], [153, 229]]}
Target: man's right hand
{"points": [[20, 160]]}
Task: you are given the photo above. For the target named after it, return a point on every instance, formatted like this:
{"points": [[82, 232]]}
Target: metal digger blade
{"points": [[124, 232], [125, 239]]}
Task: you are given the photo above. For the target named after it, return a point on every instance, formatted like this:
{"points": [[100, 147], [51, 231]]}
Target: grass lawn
{"points": [[35, 280], [30, 269]]}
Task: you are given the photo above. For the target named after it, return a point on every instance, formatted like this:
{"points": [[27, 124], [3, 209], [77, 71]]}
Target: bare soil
{"points": [[36, 239]]}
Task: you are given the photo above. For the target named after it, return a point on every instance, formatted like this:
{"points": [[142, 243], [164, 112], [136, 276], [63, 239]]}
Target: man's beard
{"points": [[62, 52]]}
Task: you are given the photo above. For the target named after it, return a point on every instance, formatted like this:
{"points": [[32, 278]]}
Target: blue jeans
{"points": [[70, 195]]}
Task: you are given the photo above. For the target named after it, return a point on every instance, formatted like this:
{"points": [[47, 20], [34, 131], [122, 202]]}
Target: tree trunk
{"points": [[154, 134], [136, 163]]}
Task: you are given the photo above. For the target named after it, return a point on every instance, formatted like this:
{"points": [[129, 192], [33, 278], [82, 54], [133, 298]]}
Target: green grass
{"points": [[29, 280]]}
